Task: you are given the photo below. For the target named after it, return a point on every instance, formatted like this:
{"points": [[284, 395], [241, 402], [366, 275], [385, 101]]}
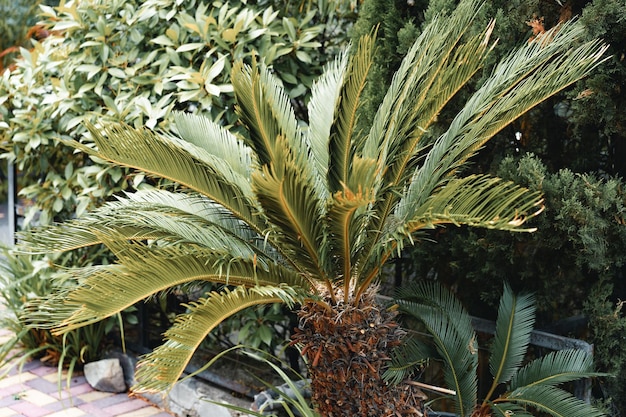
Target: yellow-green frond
{"points": [[145, 270], [345, 225], [291, 206], [159, 156], [344, 141], [325, 95], [265, 109], [160, 369], [476, 200], [208, 135], [148, 215]]}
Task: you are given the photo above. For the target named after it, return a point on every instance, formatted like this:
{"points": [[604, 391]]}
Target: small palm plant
{"points": [[515, 389], [307, 213]]}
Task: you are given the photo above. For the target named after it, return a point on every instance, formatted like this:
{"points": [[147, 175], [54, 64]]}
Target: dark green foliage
{"points": [[578, 253], [576, 257], [514, 385]]}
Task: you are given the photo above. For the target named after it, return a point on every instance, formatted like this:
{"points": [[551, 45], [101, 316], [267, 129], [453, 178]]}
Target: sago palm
{"points": [[307, 213], [516, 388]]}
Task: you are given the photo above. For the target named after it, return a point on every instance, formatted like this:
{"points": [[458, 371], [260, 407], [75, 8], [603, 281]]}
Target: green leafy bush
{"points": [[134, 62], [24, 278]]}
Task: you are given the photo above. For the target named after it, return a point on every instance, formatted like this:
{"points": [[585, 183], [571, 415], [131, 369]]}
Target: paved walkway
{"points": [[34, 392]]}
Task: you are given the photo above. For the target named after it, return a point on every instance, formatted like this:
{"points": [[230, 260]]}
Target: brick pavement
{"points": [[34, 392]]}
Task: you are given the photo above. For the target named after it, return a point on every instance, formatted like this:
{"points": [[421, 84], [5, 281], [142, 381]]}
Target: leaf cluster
{"points": [[135, 62], [516, 387]]}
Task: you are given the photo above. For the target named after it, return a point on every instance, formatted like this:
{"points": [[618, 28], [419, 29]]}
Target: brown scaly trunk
{"points": [[347, 352]]}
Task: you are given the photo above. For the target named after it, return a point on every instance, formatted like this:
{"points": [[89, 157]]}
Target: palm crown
{"points": [[293, 211]]}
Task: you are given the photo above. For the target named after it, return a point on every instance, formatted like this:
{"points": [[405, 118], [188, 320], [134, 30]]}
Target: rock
{"points": [[269, 401], [105, 375], [128, 363], [191, 398]]}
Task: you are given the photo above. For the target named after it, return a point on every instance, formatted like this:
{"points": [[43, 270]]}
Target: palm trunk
{"points": [[347, 352]]}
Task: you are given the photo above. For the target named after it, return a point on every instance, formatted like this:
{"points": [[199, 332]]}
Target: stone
{"points": [[191, 398], [128, 363], [269, 401], [105, 375]]}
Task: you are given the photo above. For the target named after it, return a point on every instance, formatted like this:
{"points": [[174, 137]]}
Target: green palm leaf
{"points": [[213, 138], [552, 400], [453, 336], [343, 140], [516, 317], [407, 358], [476, 200], [289, 202], [167, 158], [150, 215], [555, 368], [325, 94], [507, 409], [525, 78], [264, 108], [161, 368], [145, 270]]}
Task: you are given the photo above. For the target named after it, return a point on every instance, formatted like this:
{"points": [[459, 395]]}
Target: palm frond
{"points": [[290, 204], [525, 78], [325, 94], [344, 226], [264, 107], [411, 105], [147, 270], [149, 215], [516, 317], [211, 137], [556, 368], [161, 368], [507, 409], [476, 200], [407, 358], [447, 321], [343, 137], [553, 401], [157, 155]]}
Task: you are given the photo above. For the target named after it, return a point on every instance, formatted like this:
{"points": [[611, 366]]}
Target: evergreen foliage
{"points": [[516, 386], [578, 140]]}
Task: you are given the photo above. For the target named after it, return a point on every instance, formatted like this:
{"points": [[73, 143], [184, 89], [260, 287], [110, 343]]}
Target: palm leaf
{"points": [[157, 155], [211, 137], [149, 215], [325, 94], [161, 368], [144, 271], [447, 321], [555, 368], [289, 202], [264, 108], [344, 227], [410, 106], [507, 409], [524, 79], [553, 401], [407, 358], [476, 200], [516, 317], [343, 137]]}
